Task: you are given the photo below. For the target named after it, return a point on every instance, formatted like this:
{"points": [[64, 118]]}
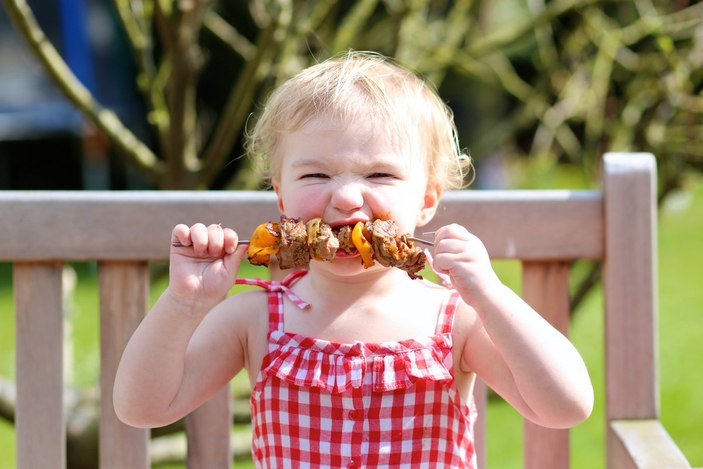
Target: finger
{"points": [[181, 234], [442, 275], [452, 231], [215, 240], [233, 260], [231, 239], [199, 238]]}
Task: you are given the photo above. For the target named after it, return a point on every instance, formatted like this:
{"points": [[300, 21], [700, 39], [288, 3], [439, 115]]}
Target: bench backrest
{"points": [[123, 231]]}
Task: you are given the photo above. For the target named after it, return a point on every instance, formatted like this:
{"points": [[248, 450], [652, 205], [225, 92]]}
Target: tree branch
{"points": [[150, 80], [179, 27], [511, 33], [228, 34], [236, 110]]}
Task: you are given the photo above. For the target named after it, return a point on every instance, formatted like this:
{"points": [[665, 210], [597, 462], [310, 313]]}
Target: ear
{"points": [[277, 190], [429, 207]]}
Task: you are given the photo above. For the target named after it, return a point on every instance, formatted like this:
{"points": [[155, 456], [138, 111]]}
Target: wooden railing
{"points": [[124, 231]]}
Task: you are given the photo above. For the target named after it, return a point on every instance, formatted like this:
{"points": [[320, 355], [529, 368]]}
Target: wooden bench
{"points": [[124, 231]]}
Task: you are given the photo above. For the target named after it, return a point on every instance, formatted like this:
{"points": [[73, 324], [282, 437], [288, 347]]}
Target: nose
{"points": [[348, 197]]}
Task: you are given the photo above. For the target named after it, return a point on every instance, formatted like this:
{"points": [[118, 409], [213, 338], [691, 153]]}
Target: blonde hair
{"points": [[371, 86]]}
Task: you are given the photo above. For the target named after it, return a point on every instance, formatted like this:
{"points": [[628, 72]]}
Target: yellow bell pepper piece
{"points": [[360, 238], [265, 242]]}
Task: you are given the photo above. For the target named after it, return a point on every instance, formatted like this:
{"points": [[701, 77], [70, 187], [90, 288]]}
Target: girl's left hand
{"points": [[463, 257], [512, 348]]}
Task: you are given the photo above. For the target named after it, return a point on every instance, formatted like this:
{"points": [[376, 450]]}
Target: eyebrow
{"points": [[309, 162], [384, 162]]}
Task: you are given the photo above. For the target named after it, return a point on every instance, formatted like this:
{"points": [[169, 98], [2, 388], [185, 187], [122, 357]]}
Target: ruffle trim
{"points": [[336, 368]]}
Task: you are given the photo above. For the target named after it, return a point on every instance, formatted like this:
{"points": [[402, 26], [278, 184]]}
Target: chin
{"points": [[346, 266]]}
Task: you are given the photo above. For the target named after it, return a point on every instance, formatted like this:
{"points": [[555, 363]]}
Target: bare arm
{"points": [[180, 354], [514, 350]]}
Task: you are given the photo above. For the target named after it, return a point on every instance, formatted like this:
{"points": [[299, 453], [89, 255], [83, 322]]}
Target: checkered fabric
{"points": [[318, 403]]}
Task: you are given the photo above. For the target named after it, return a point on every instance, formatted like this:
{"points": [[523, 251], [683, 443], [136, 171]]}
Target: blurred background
{"points": [[145, 95]]}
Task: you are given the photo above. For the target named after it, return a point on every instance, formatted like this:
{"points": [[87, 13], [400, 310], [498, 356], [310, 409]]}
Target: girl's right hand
{"points": [[204, 267]]}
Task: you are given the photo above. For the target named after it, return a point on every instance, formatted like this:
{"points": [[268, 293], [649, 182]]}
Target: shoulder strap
{"points": [[445, 321], [275, 291]]}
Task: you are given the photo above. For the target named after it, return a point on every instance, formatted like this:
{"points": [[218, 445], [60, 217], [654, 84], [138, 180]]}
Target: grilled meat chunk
{"points": [[344, 235], [293, 250], [322, 243], [393, 249]]}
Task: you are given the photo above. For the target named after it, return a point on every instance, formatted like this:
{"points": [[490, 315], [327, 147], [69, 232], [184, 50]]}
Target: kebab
{"points": [[295, 243]]}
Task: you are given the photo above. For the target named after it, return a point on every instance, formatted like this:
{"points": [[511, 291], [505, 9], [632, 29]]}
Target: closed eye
{"points": [[380, 175], [314, 176]]}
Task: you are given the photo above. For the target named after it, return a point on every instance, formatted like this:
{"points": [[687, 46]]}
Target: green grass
{"points": [[680, 295], [680, 332], [680, 321]]}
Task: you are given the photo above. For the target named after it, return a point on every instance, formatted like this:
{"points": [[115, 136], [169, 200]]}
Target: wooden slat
{"points": [[208, 429], [630, 287], [546, 288], [39, 418], [124, 290], [644, 444], [528, 225], [117, 225], [137, 225]]}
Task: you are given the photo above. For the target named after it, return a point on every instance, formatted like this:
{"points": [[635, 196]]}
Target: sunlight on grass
{"points": [[7, 445], [680, 324]]}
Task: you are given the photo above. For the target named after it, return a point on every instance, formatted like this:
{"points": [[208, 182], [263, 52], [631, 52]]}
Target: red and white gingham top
{"points": [[318, 403]]}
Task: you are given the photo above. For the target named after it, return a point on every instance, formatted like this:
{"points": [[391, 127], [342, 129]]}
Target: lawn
{"points": [[680, 327]]}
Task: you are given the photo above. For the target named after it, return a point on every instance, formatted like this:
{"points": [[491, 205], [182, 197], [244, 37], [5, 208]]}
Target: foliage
{"points": [[561, 80], [599, 76]]}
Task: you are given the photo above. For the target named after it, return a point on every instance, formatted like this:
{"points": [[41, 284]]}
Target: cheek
{"points": [[404, 207], [303, 202]]}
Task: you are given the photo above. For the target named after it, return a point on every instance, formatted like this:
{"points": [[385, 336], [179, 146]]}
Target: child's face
{"points": [[349, 171]]}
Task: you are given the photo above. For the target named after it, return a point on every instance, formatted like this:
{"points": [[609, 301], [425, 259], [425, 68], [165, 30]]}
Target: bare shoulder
{"points": [[466, 325], [430, 290], [465, 317], [245, 316], [244, 304], [420, 296], [245, 312], [421, 305]]}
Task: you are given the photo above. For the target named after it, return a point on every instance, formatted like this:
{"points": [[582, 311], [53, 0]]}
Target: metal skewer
{"points": [[246, 241], [179, 245], [422, 241]]}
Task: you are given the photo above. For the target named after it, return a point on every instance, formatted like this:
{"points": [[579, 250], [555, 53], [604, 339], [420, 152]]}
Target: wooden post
{"points": [[480, 440], [546, 288], [124, 293], [39, 418], [630, 289], [208, 429]]}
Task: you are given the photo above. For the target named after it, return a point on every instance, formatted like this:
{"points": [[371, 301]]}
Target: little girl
{"points": [[351, 366]]}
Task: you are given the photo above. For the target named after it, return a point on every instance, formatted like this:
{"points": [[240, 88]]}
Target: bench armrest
{"points": [[645, 443]]}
